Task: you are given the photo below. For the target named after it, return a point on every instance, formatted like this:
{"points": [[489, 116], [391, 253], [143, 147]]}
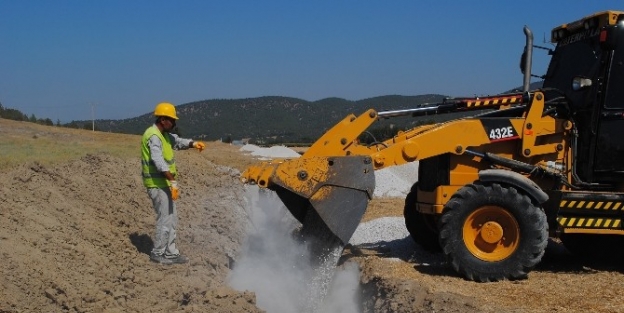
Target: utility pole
{"points": [[92, 116]]}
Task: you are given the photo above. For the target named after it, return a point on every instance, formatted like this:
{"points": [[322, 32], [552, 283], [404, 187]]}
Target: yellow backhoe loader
{"points": [[494, 186]]}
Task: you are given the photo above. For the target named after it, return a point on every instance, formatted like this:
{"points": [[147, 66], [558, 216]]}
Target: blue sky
{"points": [[59, 59]]}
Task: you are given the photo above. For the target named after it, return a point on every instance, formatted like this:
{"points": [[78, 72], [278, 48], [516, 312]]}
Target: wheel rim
{"points": [[491, 233]]}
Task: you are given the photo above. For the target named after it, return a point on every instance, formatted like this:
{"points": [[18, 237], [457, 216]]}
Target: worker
{"points": [[159, 177]]}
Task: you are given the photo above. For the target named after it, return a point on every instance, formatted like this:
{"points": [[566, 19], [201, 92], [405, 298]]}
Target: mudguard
{"points": [[516, 180]]}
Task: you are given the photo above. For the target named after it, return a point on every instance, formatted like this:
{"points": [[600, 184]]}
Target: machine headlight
{"points": [[579, 83]]}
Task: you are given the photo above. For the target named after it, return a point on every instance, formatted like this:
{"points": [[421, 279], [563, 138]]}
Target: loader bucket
{"points": [[336, 188], [340, 208]]}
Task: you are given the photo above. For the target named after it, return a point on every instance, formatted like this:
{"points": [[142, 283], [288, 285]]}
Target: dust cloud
{"points": [[278, 267]]}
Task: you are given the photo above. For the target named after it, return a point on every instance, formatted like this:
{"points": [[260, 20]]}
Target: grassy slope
{"points": [[24, 142]]}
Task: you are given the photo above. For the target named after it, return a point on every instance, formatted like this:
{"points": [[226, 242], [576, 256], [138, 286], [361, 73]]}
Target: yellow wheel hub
{"points": [[491, 233]]}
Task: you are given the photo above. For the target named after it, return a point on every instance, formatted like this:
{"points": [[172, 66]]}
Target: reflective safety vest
{"points": [[152, 177]]}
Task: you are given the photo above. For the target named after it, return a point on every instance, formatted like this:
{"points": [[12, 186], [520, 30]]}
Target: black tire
{"points": [[422, 227], [476, 217]]}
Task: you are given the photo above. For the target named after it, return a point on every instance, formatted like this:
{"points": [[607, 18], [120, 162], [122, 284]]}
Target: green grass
{"points": [[23, 142]]}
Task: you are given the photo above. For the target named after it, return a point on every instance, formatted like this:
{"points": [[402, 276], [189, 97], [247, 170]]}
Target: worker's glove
{"points": [[175, 190], [199, 145]]}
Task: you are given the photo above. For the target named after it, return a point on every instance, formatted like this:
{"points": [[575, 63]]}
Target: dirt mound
{"points": [[76, 238]]}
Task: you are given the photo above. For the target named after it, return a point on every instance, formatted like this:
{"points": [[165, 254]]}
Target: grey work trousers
{"points": [[166, 222]]}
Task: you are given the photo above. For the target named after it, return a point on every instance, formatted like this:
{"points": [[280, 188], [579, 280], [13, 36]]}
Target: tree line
{"points": [[17, 115]]}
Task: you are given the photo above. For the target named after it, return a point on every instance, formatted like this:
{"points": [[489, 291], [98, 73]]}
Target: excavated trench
{"points": [[291, 272], [278, 265]]}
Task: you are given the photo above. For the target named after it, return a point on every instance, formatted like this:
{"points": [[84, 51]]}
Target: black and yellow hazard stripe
{"points": [[493, 101], [592, 205], [588, 212], [590, 222], [591, 211]]}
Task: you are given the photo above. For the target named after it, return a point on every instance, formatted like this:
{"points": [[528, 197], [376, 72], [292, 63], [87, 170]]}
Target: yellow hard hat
{"points": [[166, 109]]}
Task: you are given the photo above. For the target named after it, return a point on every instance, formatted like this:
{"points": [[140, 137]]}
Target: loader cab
{"points": [[591, 51]]}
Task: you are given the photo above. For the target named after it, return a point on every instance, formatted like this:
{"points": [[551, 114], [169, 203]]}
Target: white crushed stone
{"points": [[387, 234], [271, 152], [396, 181], [380, 229]]}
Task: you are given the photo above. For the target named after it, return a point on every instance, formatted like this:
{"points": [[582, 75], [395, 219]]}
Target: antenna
{"points": [[549, 41]]}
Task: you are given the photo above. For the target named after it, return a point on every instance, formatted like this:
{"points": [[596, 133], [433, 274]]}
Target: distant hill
{"points": [[278, 119], [290, 119]]}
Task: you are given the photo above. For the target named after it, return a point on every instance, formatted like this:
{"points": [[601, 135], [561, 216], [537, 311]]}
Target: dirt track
{"points": [[75, 237]]}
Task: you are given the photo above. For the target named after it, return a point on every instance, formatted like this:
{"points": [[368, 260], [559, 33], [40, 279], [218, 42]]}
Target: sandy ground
{"points": [[75, 237]]}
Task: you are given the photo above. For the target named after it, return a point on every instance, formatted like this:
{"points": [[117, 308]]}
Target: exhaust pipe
{"points": [[527, 59]]}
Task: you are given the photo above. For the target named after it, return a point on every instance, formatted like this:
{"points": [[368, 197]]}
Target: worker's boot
{"points": [[160, 259], [178, 259]]}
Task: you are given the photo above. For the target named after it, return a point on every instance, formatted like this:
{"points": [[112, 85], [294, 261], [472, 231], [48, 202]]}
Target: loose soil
{"points": [[75, 236]]}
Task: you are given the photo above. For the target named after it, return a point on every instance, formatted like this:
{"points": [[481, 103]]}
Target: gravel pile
{"points": [[396, 181], [387, 234], [271, 152]]}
